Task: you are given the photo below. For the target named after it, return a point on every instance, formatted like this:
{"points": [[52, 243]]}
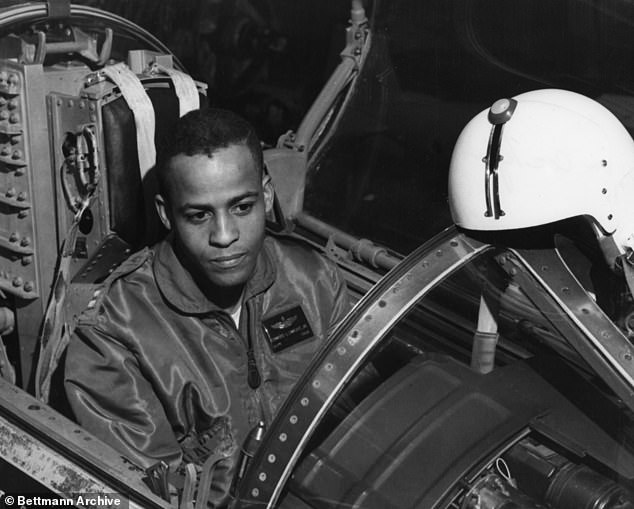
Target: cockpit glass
{"points": [[381, 170], [477, 372]]}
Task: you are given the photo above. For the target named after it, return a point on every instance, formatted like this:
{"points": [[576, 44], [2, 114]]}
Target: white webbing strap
{"points": [[185, 89], [138, 101], [485, 339]]}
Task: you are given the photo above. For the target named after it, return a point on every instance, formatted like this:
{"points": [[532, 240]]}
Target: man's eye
{"points": [[197, 217], [243, 208]]}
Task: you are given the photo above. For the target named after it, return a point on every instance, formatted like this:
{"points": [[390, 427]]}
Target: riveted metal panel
{"points": [[18, 275], [77, 116], [61, 456]]}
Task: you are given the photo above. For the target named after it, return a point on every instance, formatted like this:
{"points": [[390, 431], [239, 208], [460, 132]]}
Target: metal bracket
{"points": [[584, 324], [334, 252], [82, 44], [58, 8], [356, 36], [352, 56]]}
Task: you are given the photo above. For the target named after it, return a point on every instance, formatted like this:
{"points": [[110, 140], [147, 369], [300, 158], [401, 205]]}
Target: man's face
{"points": [[216, 209]]}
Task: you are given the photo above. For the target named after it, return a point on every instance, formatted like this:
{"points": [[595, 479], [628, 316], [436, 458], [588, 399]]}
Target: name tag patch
{"points": [[287, 328]]}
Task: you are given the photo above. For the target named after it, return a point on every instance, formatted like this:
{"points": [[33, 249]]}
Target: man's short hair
{"points": [[205, 132]]}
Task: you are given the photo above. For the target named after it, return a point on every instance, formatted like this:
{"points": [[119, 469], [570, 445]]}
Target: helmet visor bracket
{"points": [[500, 112], [492, 161]]}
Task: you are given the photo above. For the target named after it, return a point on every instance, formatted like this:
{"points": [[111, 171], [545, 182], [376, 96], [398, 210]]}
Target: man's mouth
{"points": [[228, 261]]}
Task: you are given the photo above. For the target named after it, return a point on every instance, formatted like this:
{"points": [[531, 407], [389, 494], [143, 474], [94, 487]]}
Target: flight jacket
{"points": [[158, 372]]}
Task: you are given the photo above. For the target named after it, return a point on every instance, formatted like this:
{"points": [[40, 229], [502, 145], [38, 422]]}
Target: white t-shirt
{"points": [[235, 315]]}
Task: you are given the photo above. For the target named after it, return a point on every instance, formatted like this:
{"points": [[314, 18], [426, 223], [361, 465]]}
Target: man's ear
{"points": [[161, 209], [269, 192]]}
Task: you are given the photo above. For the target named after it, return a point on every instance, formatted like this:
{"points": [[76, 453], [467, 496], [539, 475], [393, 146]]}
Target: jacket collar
{"points": [[177, 285]]}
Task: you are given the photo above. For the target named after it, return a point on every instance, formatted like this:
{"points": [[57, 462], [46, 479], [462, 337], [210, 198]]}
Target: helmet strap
{"points": [[609, 247]]}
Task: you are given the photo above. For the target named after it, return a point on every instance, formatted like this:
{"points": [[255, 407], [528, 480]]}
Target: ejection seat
{"points": [[130, 190], [85, 99]]}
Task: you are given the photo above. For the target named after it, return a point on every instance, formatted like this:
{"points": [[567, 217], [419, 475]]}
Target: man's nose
{"points": [[226, 231]]}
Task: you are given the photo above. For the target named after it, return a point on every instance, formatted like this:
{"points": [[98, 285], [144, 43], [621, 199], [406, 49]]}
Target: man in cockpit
{"points": [[199, 338]]}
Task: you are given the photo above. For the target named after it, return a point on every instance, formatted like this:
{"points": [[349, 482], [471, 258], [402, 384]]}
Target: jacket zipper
{"points": [[254, 379], [253, 376]]}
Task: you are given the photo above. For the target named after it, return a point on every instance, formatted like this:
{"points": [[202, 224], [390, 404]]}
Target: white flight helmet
{"points": [[541, 157]]}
